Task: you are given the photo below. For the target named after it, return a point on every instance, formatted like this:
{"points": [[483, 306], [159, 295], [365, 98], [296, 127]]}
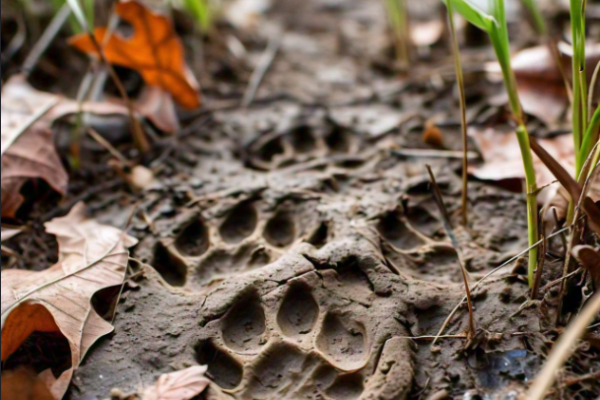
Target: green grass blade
{"points": [[536, 14], [483, 19], [200, 10], [589, 140]]}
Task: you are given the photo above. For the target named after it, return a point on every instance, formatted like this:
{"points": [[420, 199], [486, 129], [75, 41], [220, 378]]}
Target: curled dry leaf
{"points": [[32, 156], [28, 150], [181, 385], [91, 257], [154, 51]]}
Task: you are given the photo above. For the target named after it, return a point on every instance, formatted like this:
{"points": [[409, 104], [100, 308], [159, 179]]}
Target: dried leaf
{"points": [[21, 107], [27, 143], [590, 259], [541, 86], [9, 233], [181, 385], [503, 162], [570, 184], [91, 257], [24, 385], [157, 105], [154, 51], [32, 156]]}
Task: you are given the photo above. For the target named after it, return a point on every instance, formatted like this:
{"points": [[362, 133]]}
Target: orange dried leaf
{"points": [[92, 257], [154, 51]]}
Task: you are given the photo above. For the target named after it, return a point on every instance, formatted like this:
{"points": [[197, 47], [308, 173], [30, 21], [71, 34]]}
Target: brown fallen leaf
{"points": [[154, 51], [91, 257], [578, 194], [590, 259], [9, 233], [503, 162], [23, 384], [541, 84], [27, 143], [181, 385], [157, 105], [32, 156]]}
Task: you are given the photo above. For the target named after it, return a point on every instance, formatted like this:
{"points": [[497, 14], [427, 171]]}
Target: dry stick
{"points": [[261, 70], [437, 194], [492, 272], [109, 147], [16, 43], [563, 350], [47, 37], [460, 81], [542, 261], [429, 153], [138, 134], [579, 197]]}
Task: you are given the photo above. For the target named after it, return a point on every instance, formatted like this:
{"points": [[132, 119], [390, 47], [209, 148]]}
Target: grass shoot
{"points": [[201, 11], [87, 7], [580, 97], [537, 16], [398, 18], [493, 22], [460, 81]]}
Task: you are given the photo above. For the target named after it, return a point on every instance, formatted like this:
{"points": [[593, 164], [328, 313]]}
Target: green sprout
{"points": [[493, 21], [202, 13], [580, 90], [536, 14], [398, 16], [88, 9]]}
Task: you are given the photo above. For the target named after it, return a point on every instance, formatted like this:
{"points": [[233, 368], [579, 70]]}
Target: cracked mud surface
{"points": [[294, 253]]}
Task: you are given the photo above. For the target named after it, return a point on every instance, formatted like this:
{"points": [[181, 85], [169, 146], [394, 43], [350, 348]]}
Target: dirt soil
{"points": [[294, 250]]}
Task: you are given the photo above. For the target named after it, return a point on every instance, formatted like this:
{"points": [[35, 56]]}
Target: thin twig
{"points": [[109, 147], [47, 37], [460, 81], [16, 43], [429, 153], [563, 350], [437, 194], [492, 272], [138, 134], [261, 70]]}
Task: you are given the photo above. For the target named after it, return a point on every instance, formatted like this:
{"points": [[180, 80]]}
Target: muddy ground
{"points": [[294, 246]]}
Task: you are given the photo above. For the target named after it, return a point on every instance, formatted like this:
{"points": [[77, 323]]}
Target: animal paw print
{"points": [[245, 236], [304, 339], [301, 144]]}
